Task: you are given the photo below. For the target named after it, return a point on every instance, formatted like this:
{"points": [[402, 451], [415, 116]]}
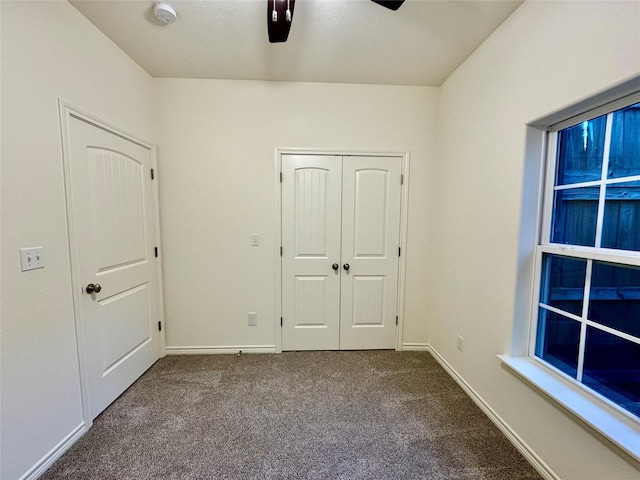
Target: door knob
{"points": [[335, 266], [91, 288], [346, 266]]}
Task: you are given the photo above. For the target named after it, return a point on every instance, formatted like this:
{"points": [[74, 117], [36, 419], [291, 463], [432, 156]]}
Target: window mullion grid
{"points": [[632, 178], [583, 325], [613, 331], [571, 186], [595, 183], [603, 179], [598, 241]]}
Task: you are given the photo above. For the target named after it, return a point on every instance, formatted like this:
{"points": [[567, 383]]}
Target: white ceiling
{"points": [[341, 41]]}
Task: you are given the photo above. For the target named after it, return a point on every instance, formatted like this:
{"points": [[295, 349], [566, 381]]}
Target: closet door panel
{"points": [[311, 197], [371, 202]]}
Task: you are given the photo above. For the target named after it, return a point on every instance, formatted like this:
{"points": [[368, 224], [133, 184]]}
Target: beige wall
{"points": [[546, 56], [216, 169], [49, 50]]}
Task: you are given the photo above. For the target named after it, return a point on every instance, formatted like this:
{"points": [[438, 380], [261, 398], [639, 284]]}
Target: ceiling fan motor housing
{"points": [[279, 18]]}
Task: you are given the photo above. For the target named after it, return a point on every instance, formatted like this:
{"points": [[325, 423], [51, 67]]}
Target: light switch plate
{"points": [[31, 258], [253, 319], [255, 240]]}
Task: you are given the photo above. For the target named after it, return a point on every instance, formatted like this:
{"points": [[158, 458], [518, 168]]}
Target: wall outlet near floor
{"points": [[459, 342], [252, 318]]}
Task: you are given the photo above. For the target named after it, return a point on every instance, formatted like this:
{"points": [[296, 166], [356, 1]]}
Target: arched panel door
{"points": [[340, 235], [112, 228]]}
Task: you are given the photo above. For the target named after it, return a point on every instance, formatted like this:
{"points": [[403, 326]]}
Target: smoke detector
{"points": [[164, 12]]}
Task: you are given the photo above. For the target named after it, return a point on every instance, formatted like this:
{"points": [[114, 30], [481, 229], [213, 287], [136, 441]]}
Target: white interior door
{"points": [[311, 190], [112, 227], [340, 236], [371, 200]]}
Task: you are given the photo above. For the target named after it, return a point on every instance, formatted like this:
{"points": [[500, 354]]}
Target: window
{"points": [[587, 318]]}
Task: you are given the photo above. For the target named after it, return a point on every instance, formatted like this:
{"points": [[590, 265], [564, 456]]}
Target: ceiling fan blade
{"points": [[391, 4], [278, 22]]}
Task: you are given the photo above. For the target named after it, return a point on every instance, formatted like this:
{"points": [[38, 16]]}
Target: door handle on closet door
{"points": [[346, 267], [335, 266], [93, 288]]}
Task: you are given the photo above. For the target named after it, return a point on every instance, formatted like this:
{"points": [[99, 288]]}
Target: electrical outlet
{"points": [[459, 342], [252, 319], [31, 258]]}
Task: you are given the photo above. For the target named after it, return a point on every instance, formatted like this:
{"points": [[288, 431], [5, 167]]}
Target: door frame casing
{"points": [[404, 210], [67, 111]]}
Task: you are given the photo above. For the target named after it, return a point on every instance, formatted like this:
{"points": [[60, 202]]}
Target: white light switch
{"points": [[253, 319], [255, 240], [31, 258]]}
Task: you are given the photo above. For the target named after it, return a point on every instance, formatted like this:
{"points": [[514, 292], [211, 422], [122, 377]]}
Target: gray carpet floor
{"points": [[298, 415]]}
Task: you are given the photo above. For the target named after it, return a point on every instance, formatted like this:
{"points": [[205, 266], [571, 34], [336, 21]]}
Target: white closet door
{"points": [[311, 191], [371, 202]]}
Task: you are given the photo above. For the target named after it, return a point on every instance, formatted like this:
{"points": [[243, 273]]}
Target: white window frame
{"points": [[546, 246], [619, 428]]}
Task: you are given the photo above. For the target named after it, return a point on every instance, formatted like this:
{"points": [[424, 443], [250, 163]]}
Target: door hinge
{"points": [[280, 177], [402, 179], [396, 319], [399, 251], [152, 174], [280, 321], [159, 326], [155, 251], [280, 250]]}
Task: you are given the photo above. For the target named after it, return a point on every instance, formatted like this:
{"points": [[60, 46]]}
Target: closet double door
{"points": [[340, 251]]}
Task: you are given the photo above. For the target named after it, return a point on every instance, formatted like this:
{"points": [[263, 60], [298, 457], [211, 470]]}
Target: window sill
{"points": [[622, 433]]}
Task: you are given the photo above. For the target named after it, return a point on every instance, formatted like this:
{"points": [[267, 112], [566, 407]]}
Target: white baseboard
{"points": [[54, 454], [209, 350], [537, 463], [414, 347]]}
